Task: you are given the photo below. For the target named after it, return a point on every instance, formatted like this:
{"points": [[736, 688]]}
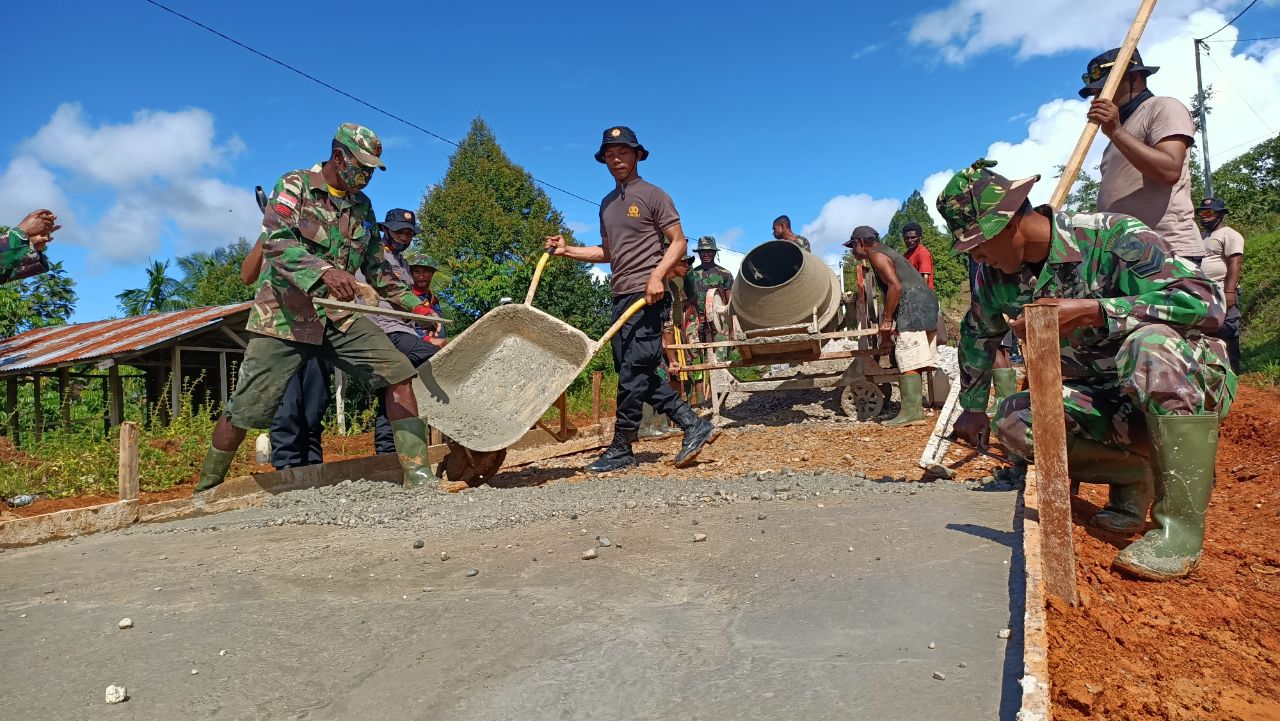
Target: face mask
{"points": [[355, 176]]}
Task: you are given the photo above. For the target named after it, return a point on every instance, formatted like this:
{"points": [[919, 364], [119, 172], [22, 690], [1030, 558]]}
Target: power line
{"points": [[1224, 27], [342, 92], [1243, 97], [1243, 40]]}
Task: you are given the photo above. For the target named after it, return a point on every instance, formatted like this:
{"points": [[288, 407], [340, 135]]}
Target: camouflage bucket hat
{"points": [[706, 242], [362, 143], [977, 203], [415, 258]]}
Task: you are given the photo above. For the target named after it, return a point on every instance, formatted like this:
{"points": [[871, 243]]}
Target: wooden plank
{"points": [[562, 405], [833, 355], [65, 524], [376, 310], [1049, 435], [115, 396], [772, 340], [596, 378], [936, 448], [37, 410], [1035, 625], [128, 461], [340, 399]]}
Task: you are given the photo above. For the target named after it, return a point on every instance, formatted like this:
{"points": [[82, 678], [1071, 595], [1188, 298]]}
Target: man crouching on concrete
{"points": [[319, 229], [634, 219], [1144, 384]]}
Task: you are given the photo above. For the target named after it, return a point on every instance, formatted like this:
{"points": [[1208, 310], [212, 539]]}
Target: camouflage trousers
{"points": [[1158, 372]]}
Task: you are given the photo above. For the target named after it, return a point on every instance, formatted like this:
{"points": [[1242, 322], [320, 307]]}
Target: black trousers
{"points": [[637, 354], [418, 351], [1230, 332], [295, 430]]}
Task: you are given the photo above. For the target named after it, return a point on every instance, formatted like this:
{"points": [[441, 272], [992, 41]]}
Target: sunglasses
{"points": [[1095, 72]]}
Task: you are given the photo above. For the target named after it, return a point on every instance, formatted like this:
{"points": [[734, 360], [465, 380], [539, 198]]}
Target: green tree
{"points": [[213, 278], [1083, 197], [41, 301], [485, 223], [951, 275], [161, 294], [1250, 187]]}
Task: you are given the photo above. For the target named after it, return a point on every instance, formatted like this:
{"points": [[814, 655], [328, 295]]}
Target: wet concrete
{"points": [[771, 618]]}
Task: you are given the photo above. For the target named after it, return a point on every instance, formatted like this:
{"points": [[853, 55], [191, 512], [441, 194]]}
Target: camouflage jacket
{"points": [[306, 232], [700, 280], [803, 242], [18, 259], [1109, 257]]}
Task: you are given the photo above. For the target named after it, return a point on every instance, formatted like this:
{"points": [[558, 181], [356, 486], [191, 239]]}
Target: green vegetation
{"points": [[207, 279]]}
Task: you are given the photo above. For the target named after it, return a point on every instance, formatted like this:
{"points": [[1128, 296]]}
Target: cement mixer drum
{"points": [[781, 284]]}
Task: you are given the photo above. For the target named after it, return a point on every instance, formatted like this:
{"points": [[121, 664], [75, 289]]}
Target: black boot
{"points": [[617, 455], [697, 433]]}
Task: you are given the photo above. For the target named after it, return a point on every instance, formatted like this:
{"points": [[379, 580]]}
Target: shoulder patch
{"points": [[1144, 259]]}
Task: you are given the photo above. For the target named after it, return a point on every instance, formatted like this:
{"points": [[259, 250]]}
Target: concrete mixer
{"points": [[780, 284]]}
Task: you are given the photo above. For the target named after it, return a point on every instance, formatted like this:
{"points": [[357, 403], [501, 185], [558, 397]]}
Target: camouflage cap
{"points": [[706, 242], [362, 143], [418, 258], [977, 203]]}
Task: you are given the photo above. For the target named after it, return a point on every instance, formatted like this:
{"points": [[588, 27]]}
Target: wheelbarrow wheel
{"points": [[862, 400], [474, 468]]}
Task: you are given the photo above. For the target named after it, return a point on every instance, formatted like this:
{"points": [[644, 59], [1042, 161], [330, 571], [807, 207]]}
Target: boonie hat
{"points": [[1095, 75], [362, 143], [621, 135], [977, 203], [706, 242]]}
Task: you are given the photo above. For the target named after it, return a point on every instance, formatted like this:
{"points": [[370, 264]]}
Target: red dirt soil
{"points": [[1203, 647]]}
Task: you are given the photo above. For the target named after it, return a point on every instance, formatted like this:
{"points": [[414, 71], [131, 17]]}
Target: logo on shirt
{"points": [[633, 211]]}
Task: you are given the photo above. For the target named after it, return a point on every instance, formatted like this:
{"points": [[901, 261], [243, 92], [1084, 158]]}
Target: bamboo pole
{"points": [[1076, 161]]}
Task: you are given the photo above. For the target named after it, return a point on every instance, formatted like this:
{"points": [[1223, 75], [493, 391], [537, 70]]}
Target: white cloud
{"points": [[155, 171], [930, 188], [966, 28], [728, 238], [841, 214], [1051, 134], [155, 144]]}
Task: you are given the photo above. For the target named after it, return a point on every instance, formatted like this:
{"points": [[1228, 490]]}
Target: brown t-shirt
{"points": [[632, 219], [1219, 245], [1168, 211]]}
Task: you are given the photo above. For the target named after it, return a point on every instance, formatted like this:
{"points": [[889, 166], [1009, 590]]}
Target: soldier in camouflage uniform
{"points": [[1145, 385], [319, 229], [22, 247], [782, 231], [707, 276]]}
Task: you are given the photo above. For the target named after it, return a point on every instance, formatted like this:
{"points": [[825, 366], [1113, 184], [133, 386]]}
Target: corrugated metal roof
{"points": [[70, 344]]}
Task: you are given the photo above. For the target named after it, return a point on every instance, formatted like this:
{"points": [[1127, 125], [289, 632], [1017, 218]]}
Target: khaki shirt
{"points": [[1219, 245], [1123, 189]]}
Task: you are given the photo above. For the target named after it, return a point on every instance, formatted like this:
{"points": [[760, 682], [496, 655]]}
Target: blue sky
{"points": [[148, 134]]}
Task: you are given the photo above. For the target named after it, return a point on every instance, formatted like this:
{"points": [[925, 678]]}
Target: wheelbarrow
{"points": [[490, 384]]}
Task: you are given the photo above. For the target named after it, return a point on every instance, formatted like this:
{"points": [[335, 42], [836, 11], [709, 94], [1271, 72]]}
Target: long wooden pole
{"points": [[1117, 74], [1049, 435], [128, 461]]}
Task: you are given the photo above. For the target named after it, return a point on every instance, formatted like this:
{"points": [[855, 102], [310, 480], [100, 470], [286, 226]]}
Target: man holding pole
{"points": [[1145, 384], [635, 219]]}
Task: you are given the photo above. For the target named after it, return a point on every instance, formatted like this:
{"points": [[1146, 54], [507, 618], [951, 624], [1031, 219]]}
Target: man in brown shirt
{"points": [[635, 218], [1145, 167]]}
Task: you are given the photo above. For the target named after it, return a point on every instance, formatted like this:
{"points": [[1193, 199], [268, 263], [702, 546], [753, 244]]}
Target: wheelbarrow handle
{"points": [[621, 321], [537, 276]]}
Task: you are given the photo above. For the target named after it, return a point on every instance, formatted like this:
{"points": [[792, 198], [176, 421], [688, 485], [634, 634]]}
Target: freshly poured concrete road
{"points": [[747, 625]]}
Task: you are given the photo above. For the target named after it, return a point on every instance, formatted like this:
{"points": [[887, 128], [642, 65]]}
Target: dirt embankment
{"points": [[1205, 647]]}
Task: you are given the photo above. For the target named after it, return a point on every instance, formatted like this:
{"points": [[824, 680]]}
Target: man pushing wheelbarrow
{"points": [[634, 220]]}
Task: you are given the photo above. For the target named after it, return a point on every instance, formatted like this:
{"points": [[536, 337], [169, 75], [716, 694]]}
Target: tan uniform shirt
{"points": [[1219, 245], [1123, 189], [632, 221]]}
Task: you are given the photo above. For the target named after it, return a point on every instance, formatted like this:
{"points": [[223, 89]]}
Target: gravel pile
{"points": [[373, 504]]}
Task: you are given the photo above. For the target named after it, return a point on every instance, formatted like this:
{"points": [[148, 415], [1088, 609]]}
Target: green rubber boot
{"points": [[910, 386], [1184, 450], [1005, 381], [214, 470], [1129, 475], [411, 447]]}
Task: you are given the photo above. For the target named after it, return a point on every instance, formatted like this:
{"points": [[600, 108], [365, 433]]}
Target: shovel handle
{"points": [[621, 321], [537, 276]]}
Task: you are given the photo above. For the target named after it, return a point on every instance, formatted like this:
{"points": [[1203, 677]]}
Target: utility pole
{"points": [[1204, 126]]}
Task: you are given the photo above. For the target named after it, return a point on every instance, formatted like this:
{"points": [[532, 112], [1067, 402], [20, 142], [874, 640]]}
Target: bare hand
{"points": [[555, 244], [654, 290], [38, 222], [40, 242], [341, 284], [1106, 114], [1073, 314], [886, 332], [974, 428], [674, 367]]}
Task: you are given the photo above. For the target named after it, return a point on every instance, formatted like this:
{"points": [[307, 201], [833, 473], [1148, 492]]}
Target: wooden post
{"points": [[64, 396], [175, 383], [128, 460], [596, 377], [1049, 434], [37, 408], [11, 408], [223, 381], [562, 404], [340, 398], [115, 395]]}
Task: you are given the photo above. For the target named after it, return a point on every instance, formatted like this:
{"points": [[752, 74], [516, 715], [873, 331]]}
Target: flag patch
{"points": [[285, 205]]}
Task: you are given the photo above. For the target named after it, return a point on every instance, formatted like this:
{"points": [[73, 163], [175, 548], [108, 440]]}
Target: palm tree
{"points": [[161, 294]]}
